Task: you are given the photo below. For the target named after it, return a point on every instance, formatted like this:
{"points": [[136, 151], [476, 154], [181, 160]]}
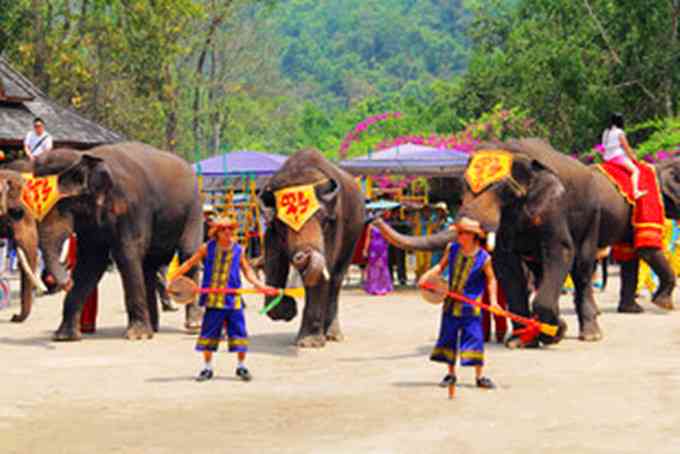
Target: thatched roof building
{"points": [[21, 102]]}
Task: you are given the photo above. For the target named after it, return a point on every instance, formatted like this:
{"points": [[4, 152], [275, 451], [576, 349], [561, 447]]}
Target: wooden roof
{"points": [[21, 102]]}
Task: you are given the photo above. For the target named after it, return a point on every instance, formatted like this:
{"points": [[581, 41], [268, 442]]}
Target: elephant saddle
{"points": [[648, 211]]}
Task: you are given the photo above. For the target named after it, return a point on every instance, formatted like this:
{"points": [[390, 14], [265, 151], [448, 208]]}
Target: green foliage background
{"points": [[202, 76]]}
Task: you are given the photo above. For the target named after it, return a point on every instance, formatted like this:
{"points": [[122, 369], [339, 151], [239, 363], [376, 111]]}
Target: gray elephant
{"points": [[320, 248], [129, 202], [553, 214]]}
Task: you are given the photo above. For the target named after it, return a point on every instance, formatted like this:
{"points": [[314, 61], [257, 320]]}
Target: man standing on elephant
{"points": [[470, 274], [223, 261]]}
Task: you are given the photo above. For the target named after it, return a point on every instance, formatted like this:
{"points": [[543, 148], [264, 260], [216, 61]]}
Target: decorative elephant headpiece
{"points": [[500, 175], [82, 174]]}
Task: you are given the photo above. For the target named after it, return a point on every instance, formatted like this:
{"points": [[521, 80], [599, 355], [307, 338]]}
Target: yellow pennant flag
{"points": [[40, 194], [296, 205], [487, 167]]}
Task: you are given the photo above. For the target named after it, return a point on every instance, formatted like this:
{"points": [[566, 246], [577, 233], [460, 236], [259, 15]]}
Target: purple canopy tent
{"points": [[409, 159], [240, 163]]}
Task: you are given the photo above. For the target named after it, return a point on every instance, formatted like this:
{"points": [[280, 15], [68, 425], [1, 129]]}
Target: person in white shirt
{"points": [[618, 151], [37, 141]]}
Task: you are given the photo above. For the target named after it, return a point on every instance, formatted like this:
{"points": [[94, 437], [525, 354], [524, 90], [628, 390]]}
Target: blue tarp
{"points": [[239, 163], [409, 159]]}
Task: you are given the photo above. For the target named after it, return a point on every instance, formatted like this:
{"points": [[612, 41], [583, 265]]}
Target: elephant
{"points": [[128, 202], [320, 250], [552, 214], [19, 225]]}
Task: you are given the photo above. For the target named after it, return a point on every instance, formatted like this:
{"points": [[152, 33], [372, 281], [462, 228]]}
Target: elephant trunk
{"points": [[312, 266], [415, 243], [56, 277]]}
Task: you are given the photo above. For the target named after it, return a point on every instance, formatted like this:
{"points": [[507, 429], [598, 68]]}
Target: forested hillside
{"points": [[201, 76]]}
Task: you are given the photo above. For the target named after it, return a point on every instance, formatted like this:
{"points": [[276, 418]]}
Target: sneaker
{"points": [[486, 383], [206, 374], [243, 373], [448, 381]]}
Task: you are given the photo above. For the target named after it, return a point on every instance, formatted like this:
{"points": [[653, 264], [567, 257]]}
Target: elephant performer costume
{"points": [[129, 202], [316, 216]]}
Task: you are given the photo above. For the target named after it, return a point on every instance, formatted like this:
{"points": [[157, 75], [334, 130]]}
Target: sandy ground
{"points": [[375, 392]]}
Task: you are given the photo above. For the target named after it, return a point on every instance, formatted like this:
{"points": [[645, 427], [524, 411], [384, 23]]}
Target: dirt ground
{"points": [[376, 392]]}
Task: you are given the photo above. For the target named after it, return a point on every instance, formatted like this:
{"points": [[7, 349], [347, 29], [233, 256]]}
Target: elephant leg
{"points": [[189, 243], [134, 287], [150, 282], [584, 300], [86, 275], [557, 259], [582, 274], [659, 264], [332, 325], [26, 238], [312, 328], [629, 281]]}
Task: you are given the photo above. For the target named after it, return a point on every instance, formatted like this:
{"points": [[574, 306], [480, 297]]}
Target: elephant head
{"points": [[508, 180], [86, 193], [668, 172], [16, 222], [305, 246]]}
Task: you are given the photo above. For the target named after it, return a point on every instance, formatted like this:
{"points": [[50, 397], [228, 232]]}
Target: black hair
{"points": [[616, 119], [38, 120]]}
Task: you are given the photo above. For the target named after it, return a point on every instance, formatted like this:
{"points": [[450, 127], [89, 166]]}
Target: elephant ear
{"points": [[544, 193], [328, 193], [669, 178]]}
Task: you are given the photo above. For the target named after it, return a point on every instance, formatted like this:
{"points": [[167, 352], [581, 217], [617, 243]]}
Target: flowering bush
{"points": [[362, 126]]}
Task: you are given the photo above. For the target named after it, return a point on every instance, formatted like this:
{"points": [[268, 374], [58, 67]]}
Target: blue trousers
{"points": [[211, 330], [460, 335]]}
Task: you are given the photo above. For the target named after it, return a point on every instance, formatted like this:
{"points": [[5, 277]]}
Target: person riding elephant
{"points": [[316, 219], [129, 202], [553, 214], [18, 224]]}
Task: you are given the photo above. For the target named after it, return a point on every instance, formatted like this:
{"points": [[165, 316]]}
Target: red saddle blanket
{"points": [[648, 211]]}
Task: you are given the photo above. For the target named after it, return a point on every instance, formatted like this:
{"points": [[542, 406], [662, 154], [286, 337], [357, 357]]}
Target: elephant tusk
{"points": [[23, 261], [491, 241], [326, 274]]}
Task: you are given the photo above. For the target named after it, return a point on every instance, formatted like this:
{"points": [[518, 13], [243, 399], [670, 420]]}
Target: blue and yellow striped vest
{"points": [[222, 269]]}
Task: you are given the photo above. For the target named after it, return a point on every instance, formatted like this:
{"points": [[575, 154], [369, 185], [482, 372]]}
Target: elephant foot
{"points": [[18, 318], [192, 327], [67, 334], [334, 333], [138, 331], [630, 308], [311, 341], [514, 342], [192, 318], [557, 338], [664, 302], [335, 336], [590, 332]]}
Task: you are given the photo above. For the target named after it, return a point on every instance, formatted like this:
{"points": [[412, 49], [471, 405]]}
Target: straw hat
{"points": [[469, 225], [222, 223], [441, 206], [438, 294]]}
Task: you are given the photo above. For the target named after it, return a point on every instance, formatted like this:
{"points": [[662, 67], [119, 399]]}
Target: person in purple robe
{"points": [[378, 280]]}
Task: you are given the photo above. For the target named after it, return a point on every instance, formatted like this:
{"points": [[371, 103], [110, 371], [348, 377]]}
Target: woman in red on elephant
{"points": [[618, 151], [223, 262]]}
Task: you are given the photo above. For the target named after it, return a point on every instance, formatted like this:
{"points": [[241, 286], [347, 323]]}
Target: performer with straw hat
{"points": [[470, 274], [223, 261]]}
